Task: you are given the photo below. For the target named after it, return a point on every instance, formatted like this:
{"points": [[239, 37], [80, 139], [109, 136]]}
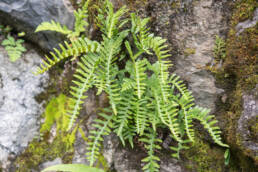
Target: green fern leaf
{"points": [[74, 49], [84, 76], [102, 128], [151, 144], [53, 26], [208, 122]]}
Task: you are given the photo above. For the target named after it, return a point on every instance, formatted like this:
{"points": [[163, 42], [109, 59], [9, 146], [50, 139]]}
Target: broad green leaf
{"points": [[72, 168]]}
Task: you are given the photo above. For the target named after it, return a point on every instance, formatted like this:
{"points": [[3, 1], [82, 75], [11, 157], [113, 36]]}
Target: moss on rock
{"points": [[43, 149], [204, 157], [237, 76]]}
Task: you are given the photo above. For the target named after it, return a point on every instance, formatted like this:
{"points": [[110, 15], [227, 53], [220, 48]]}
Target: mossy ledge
{"points": [[238, 77]]}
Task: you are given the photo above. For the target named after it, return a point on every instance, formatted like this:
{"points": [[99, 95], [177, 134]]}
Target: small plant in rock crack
{"points": [[13, 47], [219, 50], [143, 96]]}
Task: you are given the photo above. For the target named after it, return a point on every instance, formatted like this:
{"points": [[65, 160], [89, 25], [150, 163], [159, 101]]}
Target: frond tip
{"points": [[151, 144], [53, 26], [75, 48], [102, 127], [208, 122]]}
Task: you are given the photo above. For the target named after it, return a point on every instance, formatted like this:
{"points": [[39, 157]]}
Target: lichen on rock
{"points": [[19, 111]]}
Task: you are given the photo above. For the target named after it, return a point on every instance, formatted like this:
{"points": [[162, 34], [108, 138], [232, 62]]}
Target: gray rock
{"points": [[196, 29], [50, 163], [19, 111], [123, 159], [240, 27], [248, 120], [26, 15]]}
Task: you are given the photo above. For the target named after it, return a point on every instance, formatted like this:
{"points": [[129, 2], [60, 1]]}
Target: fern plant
{"points": [[143, 96], [219, 50], [14, 48]]}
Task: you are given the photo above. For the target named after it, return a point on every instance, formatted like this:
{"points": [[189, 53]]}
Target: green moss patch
{"points": [[238, 76], [42, 150]]}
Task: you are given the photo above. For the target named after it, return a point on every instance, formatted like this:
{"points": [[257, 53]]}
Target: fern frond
{"points": [[102, 127], [140, 76], [74, 49], [127, 135], [159, 47], [84, 76], [109, 53], [181, 145], [151, 144], [81, 16], [163, 79], [140, 31], [181, 87], [168, 115], [140, 114], [53, 26], [185, 102], [128, 84], [109, 24], [124, 114], [208, 122]]}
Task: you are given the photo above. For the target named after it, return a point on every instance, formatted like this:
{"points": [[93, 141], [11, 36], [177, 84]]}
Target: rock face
{"points": [[191, 29], [26, 15], [248, 23], [19, 111], [247, 124], [129, 160], [195, 30]]}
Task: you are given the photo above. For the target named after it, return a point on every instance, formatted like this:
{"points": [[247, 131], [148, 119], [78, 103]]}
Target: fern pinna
{"points": [[143, 96]]}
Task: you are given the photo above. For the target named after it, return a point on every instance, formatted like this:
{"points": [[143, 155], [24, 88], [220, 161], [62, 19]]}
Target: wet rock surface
{"points": [[19, 111], [26, 15], [247, 124]]}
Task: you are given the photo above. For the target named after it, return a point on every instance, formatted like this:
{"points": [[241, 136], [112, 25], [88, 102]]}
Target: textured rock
{"points": [[50, 163], [196, 29], [26, 15], [19, 111], [129, 160], [248, 23], [249, 119]]}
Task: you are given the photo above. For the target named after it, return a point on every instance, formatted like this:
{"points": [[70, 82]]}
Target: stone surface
{"points": [[248, 23], [26, 15], [196, 29], [249, 119], [126, 159], [50, 163], [19, 111]]}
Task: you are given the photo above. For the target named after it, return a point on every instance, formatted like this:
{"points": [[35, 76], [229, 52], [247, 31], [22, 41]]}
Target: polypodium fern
{"points": [[143, 96]]}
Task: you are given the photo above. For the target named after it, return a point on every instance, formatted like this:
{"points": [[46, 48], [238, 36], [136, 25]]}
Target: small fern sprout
{"points": [[143, 97]]}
